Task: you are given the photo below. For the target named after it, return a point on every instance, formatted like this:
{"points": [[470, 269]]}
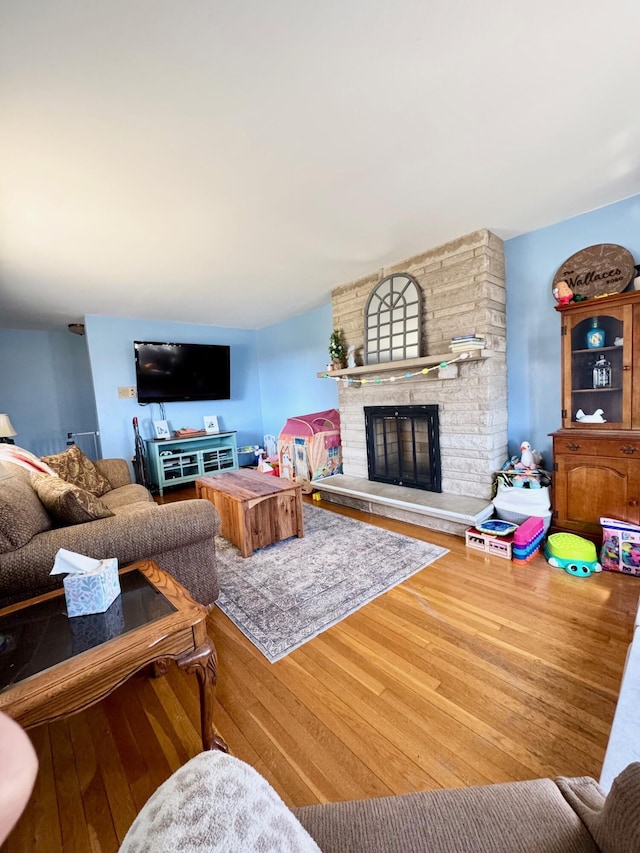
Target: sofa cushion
{"points": [[22, 515], [216, 802], [130, 495], [116, 471], [135, 509], [74, 467], [514, 817], [67, 503]]}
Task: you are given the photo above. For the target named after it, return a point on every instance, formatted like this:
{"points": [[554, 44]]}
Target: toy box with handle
{"points": [[620, 546]]}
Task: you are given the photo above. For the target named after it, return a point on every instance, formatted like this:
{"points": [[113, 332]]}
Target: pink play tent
{"points": [[309, 446]]}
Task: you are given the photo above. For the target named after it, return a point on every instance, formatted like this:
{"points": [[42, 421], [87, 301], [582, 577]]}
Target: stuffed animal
{"points": [[563, 293], [529, 458]]}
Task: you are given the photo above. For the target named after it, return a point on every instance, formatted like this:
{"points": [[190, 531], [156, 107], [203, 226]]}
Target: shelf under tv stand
{"points": [[190, 458]]}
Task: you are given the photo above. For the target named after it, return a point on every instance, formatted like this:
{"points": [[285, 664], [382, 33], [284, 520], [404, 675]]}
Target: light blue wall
{"points": [[290, 354], [46, 388], [110, 341], [54, 382], [533, 327]]}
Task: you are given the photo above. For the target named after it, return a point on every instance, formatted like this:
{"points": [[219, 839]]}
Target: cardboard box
{"points": [[92, 591], [620, 546]]}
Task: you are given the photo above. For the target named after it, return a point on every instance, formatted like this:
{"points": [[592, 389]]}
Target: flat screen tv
{"points": [[171, 373]]}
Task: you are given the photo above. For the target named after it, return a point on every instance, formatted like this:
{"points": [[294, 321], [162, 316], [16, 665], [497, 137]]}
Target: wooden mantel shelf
{"points": [[410, 364]]}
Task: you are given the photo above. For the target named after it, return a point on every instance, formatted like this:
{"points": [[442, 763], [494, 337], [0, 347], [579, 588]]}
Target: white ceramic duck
{"points": [[595, 418]]}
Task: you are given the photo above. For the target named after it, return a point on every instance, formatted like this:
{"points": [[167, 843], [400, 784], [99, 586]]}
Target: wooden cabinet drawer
{"points": [[627, 447]]}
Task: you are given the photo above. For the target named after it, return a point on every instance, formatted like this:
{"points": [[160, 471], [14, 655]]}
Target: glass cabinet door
{"points": [[597, 375]]}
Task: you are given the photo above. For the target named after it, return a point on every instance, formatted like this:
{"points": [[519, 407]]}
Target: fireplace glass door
{"points": [[403, 446]]}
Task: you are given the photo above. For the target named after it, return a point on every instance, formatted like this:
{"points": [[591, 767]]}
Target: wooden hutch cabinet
{"points": [[597, 451]]}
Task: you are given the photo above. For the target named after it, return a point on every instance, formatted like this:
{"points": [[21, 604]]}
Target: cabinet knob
{"points": [[629, 449], [626, 367], [633, 503], [573, 446]]}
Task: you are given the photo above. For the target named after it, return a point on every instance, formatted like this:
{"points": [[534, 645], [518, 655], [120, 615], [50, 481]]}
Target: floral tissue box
{"points": [[92, 591]]}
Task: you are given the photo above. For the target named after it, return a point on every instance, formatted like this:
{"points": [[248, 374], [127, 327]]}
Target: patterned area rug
{"points": [[289, 592]]}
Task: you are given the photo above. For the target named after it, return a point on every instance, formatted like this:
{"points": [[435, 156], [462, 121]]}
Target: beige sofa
{"points": [[218, 803], [178, 536]]}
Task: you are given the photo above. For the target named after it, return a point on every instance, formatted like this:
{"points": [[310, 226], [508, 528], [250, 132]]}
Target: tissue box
{"points": [[89, 631], [93, 591]]}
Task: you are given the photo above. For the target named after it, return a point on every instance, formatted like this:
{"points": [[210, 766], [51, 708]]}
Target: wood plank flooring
{"points": [[474, 670]]}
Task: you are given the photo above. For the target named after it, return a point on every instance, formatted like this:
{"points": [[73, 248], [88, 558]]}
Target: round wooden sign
{"points": [[596, 271]]}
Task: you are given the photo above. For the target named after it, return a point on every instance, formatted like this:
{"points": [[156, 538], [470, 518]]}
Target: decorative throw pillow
{"points": [[67, 503], [74, 467], [217, 803]]}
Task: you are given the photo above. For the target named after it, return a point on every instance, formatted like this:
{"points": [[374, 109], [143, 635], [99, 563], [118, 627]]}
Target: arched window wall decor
{"points": [[392, 320]]}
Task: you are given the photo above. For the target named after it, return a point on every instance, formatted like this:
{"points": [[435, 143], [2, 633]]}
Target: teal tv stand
{"points": [[173, 461]]}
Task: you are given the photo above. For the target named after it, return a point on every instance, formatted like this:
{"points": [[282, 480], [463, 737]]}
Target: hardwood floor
{"points": [[474, 670]]}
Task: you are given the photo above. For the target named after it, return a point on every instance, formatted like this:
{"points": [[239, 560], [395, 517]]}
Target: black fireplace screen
{"points": [[403, 446]]}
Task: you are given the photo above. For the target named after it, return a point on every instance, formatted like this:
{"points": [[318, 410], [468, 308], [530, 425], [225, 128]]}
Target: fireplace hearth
{"points": [[403, 446]]}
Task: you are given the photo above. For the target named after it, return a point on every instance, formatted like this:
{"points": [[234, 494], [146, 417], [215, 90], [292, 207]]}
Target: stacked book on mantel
{"points": [[460, 343]]}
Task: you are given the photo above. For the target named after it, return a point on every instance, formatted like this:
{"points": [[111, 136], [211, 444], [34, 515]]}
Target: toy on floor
{"points": [[496, 527], [577, 556], [527, 539], [499, 546], [620, 550]]}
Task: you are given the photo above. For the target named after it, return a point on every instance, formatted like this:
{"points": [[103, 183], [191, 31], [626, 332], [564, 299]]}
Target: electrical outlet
{"points": [[126, 392]]}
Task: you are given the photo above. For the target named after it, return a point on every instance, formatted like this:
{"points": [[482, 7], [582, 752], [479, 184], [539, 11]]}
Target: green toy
{"points": [[577, 556]]}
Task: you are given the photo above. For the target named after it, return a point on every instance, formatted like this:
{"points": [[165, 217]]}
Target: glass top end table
{"points": [[52, 665]]}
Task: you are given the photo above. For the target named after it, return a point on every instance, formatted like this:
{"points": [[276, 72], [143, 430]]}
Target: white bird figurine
{"points": [[595, 418], [526, 458]]}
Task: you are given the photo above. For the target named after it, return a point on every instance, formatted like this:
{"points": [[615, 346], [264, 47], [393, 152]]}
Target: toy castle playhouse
{"points": [[309, 447]]}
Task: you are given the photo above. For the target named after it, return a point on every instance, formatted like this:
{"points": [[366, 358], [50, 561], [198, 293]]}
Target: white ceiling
{"points": [[232, 162]]}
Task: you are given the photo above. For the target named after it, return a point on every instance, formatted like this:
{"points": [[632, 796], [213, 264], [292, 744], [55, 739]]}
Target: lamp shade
{"points": [[6, 427]]}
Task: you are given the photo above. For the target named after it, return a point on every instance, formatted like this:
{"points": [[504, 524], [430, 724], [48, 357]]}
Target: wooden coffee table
{"points": [[52, 666], [255, 509]]}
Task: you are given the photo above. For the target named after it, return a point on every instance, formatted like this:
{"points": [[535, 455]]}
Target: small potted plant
{"points": [[336, 349]]}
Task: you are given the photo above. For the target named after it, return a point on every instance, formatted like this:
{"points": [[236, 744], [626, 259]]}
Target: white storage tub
{"points": [[517, 505]]}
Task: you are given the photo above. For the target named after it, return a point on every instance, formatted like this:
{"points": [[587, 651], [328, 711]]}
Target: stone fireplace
{"points": [[463, 292]]}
